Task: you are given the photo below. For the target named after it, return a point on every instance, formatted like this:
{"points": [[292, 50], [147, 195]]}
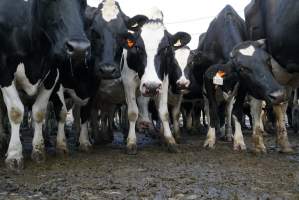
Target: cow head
{"points": [[108, 27], [61, 23], [150, 49], [180, 70], [253, 65]]}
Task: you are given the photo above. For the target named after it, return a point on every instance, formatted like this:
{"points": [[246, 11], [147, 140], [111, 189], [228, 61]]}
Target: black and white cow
{"points": [[277, 22], [146, 66], [237, 72], [40, 35], [107, 30]]}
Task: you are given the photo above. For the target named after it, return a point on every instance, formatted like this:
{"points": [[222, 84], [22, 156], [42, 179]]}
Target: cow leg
{"points": [[238, 136], [257, 127], [61, 113], [130, 92], [143, 121], [175, 118], [84, 142], [15, 111], [228, 124], [282, 135], [39, 109], [164, 116], [189, 121]]}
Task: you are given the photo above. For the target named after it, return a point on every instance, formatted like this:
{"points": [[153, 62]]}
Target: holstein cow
{"points": [[277, 22], [39, 35], [107, 30], [146, 66], [237, 74]]}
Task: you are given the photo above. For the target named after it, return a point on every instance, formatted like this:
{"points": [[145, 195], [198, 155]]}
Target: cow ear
{"points": [[136, 22], [180, 39], [262, 43]]}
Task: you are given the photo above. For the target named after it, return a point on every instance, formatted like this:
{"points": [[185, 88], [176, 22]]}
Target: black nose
{"points": [[152, 88], [108, 71], [277, 96], [77, 47]]}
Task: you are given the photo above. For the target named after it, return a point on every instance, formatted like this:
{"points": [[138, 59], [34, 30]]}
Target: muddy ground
{"points": [[193, 173]]}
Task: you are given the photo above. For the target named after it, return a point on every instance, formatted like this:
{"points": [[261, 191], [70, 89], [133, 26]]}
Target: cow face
{"points": [[61, 21], [253, 65], [106, 36], [180, 70], [151, 51]]}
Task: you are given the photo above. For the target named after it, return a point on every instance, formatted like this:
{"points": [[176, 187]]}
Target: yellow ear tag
{"points": [[178, 43], [218, 78]]}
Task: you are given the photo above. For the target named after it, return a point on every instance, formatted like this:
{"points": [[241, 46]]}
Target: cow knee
{"points": [[62, 116], [38, 114], [132, 116], [16, 114]]}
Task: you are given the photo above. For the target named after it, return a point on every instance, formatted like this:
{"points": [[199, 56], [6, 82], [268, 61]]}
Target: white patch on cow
{"points": [[61, 139], [248, 51], [238, 136], [154, 13], [211, 138], [23, 82], [13, 102], [152, 34], [60, 94], [109, 10], [181, 56], [78, 100]]}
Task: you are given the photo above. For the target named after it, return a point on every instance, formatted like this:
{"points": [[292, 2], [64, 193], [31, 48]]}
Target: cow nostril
{"points": [[69, 48]]}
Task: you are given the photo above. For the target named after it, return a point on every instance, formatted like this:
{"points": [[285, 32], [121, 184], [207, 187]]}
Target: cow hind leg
{"points": [[15, 110], [282, 135], [175, 117]]}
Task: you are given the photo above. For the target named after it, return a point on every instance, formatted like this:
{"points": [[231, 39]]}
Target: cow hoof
{"points": [[62, 150], [287, 150], [210, 144], [15, 164], [131, 149], [86, 148], [172, 147], [38, 156], [177, 137], [240, 147], [260, 150]]}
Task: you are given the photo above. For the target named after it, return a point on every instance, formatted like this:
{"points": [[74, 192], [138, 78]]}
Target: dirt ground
{"points": [[193, 173]]}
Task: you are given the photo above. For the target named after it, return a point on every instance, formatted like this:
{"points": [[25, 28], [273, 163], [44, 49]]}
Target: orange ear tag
{"points": [[130, 43], [218, 78]]}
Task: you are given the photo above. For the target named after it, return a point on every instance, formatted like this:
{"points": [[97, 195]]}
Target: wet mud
{"points": [[192, 173]]}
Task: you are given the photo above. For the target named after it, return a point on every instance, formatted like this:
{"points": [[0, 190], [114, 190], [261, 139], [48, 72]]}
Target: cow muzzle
{"points": [[108, 71], [183, 84], [77, 49], [151, 89]]}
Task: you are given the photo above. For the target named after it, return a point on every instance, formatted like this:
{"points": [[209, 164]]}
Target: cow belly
{"points": [[111, 91], [23, 83]]}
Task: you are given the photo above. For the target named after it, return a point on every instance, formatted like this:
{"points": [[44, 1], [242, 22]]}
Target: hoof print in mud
{"points": [[14, 164], [131, 149]]}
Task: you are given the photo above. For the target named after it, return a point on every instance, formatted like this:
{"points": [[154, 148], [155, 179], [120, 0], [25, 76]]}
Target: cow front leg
{"points": [[15, 110], [84, 142], [258, 130], [130, 90], [39, 110], [282, 135], [164, 116], [61, 113], [239, 143]]}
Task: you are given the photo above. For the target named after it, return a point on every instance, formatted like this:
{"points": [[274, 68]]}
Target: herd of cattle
{"points": [[101, 58]]}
